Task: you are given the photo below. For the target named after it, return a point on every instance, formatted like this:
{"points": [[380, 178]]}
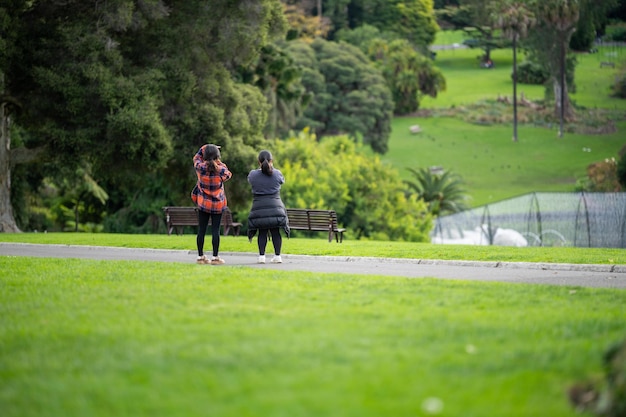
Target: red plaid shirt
{"points": [[208, 194]]}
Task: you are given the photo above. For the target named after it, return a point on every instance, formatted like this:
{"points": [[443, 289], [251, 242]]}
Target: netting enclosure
{"points": [[594, 220]]}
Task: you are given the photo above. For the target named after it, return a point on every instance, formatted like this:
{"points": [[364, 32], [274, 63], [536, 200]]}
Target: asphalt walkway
{"points": [[584, 275]]}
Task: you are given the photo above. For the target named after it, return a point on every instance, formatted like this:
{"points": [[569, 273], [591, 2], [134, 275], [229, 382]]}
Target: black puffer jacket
{"points": [[268, 211]]}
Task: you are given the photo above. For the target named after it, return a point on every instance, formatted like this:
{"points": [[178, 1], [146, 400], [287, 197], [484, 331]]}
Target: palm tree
{"points": [[562, 17], [514, 19], [443, 193]]}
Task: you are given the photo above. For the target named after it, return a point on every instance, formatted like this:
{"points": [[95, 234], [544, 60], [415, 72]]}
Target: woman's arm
{"points": [[225, 173]]}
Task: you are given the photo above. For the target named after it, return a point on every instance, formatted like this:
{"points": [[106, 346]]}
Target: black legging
{"points": [[203, 223], [277, 240]]}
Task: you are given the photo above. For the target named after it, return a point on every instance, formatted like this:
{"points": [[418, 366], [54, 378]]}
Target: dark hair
{"points": [[211, 155], [265, 157]]}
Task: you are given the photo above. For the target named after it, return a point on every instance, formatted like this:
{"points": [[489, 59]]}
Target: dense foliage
{"points": [[529, 72], [413, 20], [349, 95], [341, 175], [126, 91], [443, 192], [619, 88], [409, 74], [103, 104]]}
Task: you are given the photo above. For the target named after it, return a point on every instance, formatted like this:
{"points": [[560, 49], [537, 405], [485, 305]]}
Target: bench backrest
{"points": [[188, 216], [309, 219], [181, 215]]}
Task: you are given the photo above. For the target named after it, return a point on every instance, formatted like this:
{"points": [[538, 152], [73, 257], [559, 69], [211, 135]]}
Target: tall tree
{"points": [[279, 78], [412, 19], [409, 75], [514, 19], [559, 18], [594, 15], [131, 87], [350, 94], [474, 17]]}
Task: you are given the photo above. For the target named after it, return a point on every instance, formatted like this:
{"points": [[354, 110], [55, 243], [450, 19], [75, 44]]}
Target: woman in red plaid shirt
{"points": [[208, 194]]}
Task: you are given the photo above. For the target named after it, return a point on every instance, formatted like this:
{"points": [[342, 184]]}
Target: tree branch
{"points": [[23, 155]]}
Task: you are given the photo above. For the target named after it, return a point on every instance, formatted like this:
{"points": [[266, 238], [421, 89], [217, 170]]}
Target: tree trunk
{"points": [[562, 106], [562, 103], [515, 88], [7, 221]]}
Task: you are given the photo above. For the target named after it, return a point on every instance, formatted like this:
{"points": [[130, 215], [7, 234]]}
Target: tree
{"points": [[514, 19], [594, 16], [132, 88], [559, 18], [474, 17], [413, 20], [409, 74], [444, 193], [303, 23], [279, 78], [368, 195], [349, 95]]}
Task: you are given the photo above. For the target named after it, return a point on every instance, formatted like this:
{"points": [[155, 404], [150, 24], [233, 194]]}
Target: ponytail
{"points": [[212, 166], [265, 159], [211, 153]]}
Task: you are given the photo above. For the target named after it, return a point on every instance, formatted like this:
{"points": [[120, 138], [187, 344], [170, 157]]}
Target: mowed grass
{"points": [[468, 83], [492, 166], [319, 246], [117, 338]]}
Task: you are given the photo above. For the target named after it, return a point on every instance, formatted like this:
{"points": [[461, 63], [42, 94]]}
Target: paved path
{"points": [[600, 276]]}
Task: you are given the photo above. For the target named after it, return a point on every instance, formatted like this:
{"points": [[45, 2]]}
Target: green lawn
{"points": [[117, 338], [320, 246], [113, 338], [492, 166]]}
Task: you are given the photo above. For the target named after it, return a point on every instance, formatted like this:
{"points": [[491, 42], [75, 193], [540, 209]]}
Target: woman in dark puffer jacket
{"points": [[268, 214]]}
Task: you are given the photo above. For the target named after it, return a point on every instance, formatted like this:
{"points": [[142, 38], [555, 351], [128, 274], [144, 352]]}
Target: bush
{"points": [[339, 174], [531, 73], [616, 34], [604, 397], [619, 88], [621, 171]]}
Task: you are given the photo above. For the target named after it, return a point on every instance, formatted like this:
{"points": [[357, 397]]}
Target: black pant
{"points": [[203, 223], [277, 240]]}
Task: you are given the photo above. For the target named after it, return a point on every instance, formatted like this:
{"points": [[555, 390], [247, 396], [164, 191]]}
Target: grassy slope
{"points": [[493, 167]]}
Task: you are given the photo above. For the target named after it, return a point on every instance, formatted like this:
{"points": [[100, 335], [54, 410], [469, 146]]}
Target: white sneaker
{"points": [[261, 259], [277, 259]]}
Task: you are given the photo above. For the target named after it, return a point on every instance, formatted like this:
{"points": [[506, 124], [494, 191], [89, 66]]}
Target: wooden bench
{"points": [[178, 217], [607, 64], [315, 221]]}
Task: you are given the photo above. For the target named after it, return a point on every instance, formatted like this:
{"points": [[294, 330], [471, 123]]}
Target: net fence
{"points": [[594, 220]]}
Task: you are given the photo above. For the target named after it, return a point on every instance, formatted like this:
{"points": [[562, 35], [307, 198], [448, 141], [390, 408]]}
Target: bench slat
{"points": [[315, 221], [177, 217]]}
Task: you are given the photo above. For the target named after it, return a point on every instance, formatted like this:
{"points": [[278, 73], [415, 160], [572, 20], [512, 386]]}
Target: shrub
{"points": [[619, 88], [531, 73], [617, 34], [621, 171], [607, 397], [339, 174]]}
